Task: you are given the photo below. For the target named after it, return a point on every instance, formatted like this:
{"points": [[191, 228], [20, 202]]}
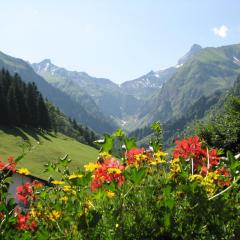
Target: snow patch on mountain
{"points": [[236, 61]]}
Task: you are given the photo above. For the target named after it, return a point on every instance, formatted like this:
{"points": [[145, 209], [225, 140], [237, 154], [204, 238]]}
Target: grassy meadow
{"points": [[44, 148]]}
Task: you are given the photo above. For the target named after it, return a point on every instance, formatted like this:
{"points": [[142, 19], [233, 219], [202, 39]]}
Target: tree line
{"points": [[21, 103]]}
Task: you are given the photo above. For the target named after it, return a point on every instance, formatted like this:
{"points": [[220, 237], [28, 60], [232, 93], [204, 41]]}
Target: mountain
{"points": [[69, 106], [150, 83], [202, 74], [193, 50], [98, 95]]}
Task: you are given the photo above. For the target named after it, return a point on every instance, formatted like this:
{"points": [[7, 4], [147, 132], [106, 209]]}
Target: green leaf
{"points": [[166, 220], [130, 143], [136, 175], [107, 144], [119, 133], [170, 203], [110, 187], [64, 161]]}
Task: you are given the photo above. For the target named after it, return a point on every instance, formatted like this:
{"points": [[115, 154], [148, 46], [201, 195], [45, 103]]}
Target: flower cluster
{"points": [[25, 222], [135, 156], [25, 192], [191, 148], [11, 165], [108, 171]]}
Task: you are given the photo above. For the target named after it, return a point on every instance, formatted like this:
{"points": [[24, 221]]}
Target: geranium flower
{"points": [[25, 223], [10, 166], [109, 171], [24, 192]]}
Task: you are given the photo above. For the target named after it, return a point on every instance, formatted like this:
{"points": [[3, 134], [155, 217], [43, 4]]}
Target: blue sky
{"points": [[116, 39]]}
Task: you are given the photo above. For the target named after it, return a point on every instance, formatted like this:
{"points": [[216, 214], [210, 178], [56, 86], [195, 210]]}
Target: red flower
{"points": [[202, 158], [10, 166], [188, 148], [109, 171], [24, 192], [225, 181], [131, 154], [25, 223]]}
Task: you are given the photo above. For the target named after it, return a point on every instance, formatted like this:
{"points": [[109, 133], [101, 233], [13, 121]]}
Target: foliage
{"points": [[21, 104], [61, 123], [142, 194], [222, 129]]}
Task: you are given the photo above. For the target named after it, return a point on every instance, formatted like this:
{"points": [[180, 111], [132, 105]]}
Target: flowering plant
{"points": [[132, 193]]}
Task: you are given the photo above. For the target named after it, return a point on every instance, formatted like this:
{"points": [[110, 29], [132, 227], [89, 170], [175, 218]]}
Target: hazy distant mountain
{"points": [[70, 107], [98, 95], [148, 84]]}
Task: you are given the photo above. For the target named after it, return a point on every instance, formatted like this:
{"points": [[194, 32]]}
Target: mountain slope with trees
{"points": [[58, 98], [22, 105], [204, 73]]}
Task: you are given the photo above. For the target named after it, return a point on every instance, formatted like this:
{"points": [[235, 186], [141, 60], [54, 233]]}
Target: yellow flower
{"points": [[141, 157], [117, 225], [67, 188], [160, 154], [23, 171], [91, 167], [175, 167], [209, 182], [56, 182], [34, 213], [54, 215], [110, 194], [196, 177], [105, 155], [64, 199], [74, 176], [114, 170], [156, 161]]}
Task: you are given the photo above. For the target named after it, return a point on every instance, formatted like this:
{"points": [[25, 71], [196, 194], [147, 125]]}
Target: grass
{"points": [[44, 148]]}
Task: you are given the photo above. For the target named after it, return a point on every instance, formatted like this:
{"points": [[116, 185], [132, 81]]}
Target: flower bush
{"points": [[129, 193]]}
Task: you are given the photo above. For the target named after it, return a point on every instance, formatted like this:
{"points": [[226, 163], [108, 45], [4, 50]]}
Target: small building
{"points": [[18, 180]]}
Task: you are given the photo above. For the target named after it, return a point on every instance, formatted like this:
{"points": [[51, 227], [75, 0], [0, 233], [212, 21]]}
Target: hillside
{"points": [[45, 147], [68, 105], [208, 71]]}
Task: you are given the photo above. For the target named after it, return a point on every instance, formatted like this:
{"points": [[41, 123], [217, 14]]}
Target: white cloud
{"points": [[221, 31]]}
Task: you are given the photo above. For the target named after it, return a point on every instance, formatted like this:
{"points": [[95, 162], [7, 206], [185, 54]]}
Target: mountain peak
{"points": [[195, 47], [45, 61], [193, 50]]}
